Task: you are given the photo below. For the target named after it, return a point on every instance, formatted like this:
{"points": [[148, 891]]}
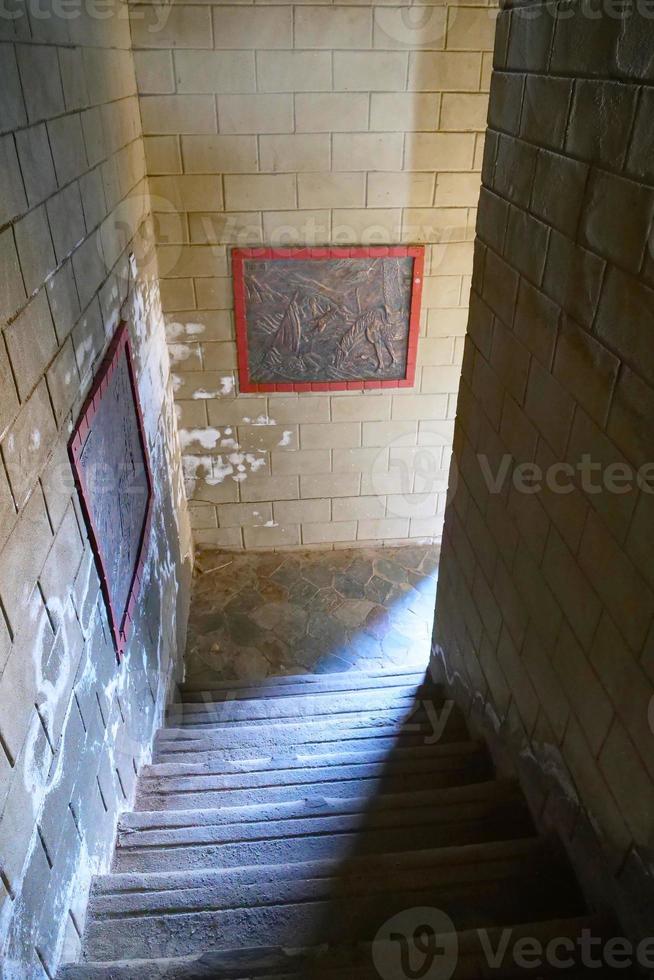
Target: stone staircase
{"points": [[285, 823]]}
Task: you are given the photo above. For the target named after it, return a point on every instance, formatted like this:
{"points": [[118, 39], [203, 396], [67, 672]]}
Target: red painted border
{"points": [[239, 256], [121, 621]]}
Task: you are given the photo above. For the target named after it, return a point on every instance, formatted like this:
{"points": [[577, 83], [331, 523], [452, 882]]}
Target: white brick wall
{"points": [[74, 726], [300, 124]]}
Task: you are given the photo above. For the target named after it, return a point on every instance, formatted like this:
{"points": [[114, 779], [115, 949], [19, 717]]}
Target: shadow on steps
{"points": [[335, 828]]}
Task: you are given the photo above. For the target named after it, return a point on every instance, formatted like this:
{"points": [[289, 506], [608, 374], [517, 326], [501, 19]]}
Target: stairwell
{"points": [[314, 826]]}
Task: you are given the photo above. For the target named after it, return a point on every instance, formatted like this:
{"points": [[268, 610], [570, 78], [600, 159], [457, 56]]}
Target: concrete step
{"points": [[440, 800], [314, 705], [481, 884], [366, 751], [466, 762], [320, 837], [427, 722], [353, 679], [356, 961], [303, 684]]}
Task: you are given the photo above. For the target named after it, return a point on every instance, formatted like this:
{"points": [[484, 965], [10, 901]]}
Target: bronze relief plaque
{"points": [[316, 319]]}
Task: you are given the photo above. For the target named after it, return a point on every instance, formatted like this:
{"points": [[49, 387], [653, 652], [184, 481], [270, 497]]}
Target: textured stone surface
{"points": [[262, 614], [74, 725], [535, 587]]}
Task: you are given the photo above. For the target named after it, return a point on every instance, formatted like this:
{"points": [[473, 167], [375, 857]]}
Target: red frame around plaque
{"points": [[240, 255], [120, 621]]}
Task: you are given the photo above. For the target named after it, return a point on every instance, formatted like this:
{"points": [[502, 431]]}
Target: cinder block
{"points": [[329, 532], [63, 381], [461, 111], [36, 163], [260, 192], [187, 192], [162, 155], [358, 460], [214, 71], [394, 28], [274, 536], [175, 114], [176, 294], [229, 538], [236, 515], [304, 228], [27, 443], [295, 153], [369, 71], [361, 408], [440, 151], [369, 226], [219, 154], [404, 112], [401, 189], [330, 113], [304, 461], [299, 408], [12, 114], [12, 290], [426, 225], [586, 368], [302, 511], [330, 435], [253, 27], [23, 558], [294, 71], [390, 433], [358, 508], [202, 516], [368, 151], [41, 78], [341, 27], [562, 210], [233, 411], [447, 323], [620, 586], [243, 228], [260, 488], [629, 781], [617, 219], [325, 485], [410, 407], [426, 527], [385, 527], [181, 27], [267, 437], [260, 113], [154, 72], [471, 28], [346, 190], [13, 200], [437, 71], [457, 190], [68, 149], [640, 153]]}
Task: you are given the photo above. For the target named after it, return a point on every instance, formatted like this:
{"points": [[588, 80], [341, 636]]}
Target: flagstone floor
{"points": [[257, 614]]}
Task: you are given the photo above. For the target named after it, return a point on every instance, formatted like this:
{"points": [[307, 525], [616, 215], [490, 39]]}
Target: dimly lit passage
{"points": [[326, 496]]}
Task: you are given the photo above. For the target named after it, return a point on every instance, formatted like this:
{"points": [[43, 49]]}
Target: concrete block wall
{"points": [[545, 611], [74, 726], [312, 123]]}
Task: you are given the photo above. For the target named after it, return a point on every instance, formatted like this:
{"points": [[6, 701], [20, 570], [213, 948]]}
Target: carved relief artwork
{"points": [[327, 318], [112, 471]]}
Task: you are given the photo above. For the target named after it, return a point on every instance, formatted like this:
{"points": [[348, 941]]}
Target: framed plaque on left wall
{"points": [[109, 456]]}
